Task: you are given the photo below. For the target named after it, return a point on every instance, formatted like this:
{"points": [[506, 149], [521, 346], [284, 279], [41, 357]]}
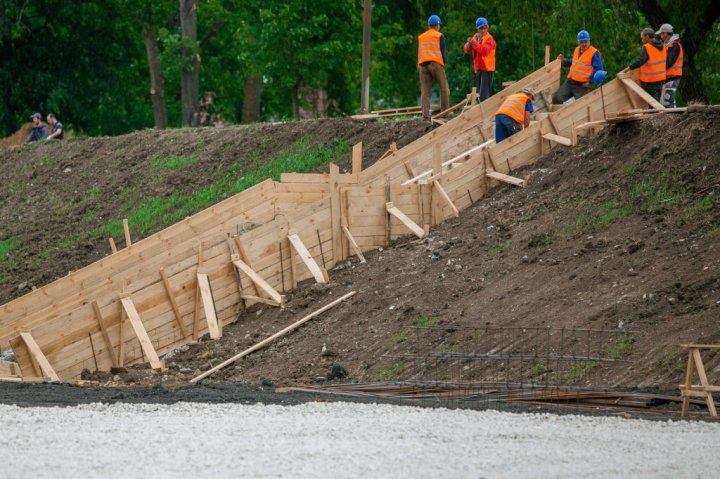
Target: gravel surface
{"points": [[344, 440]]}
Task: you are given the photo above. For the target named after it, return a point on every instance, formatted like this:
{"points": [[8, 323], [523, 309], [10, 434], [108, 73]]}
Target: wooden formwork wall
{"points": [[63, 320]]}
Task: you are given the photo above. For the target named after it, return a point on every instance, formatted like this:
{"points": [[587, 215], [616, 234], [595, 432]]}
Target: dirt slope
{"points": [[622, 231]]}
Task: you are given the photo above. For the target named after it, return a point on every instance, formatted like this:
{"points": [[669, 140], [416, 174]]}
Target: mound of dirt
{"points": [[618, 233], [50, 190], [17, 138]]}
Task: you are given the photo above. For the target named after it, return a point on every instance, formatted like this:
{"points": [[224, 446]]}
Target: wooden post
{"points": [[214, 326], [105, 335], [173, 302], [388, 225], [244, 256], [473, 96], [335, 213], [357, 153], [121, 329], [126, 228], [547, 54], [355, 246], [293, 266], [196, 316], [113, 248], [447, 199]]}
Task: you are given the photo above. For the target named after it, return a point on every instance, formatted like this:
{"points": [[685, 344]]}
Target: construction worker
{"points": [[58, 130], [673, 65], [38, 130], [514, 114], [482, 46], [583, 65], [651, 63], [431, 65]]}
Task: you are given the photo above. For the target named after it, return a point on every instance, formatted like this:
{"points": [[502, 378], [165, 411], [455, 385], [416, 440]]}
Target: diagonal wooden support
{"points": [[246, 259], [30, 358], [445, 197], [354, 244], [214, 327], [105, 335], [558, 139], [142, 335], [259, 282], [496, 175], [173, 302], [393, 210], [466, 155], [645, 96], [307, 258]]}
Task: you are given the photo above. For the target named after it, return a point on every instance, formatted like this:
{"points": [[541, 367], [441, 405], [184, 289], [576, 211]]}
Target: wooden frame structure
{"points": [[703, 390], [197, 275]]}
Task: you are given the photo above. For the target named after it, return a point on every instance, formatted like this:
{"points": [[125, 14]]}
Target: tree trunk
{"points": [[251, 99], [190, 76], [157, 83], [295, 92], [691, 86]]}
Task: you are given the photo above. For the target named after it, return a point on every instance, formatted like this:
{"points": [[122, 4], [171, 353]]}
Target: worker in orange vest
{"points": [[482, 46], [673, 65], [651, 63], [514, 114], [585, 62], [431, 65]]}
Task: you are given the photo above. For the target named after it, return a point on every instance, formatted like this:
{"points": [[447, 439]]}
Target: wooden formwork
{"points": [[145, 300]]}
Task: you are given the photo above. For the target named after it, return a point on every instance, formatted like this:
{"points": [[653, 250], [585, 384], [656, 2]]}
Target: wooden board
{"points": [[418, 231], [506, 179], [209, 306], [307, 258], [141, 334]]}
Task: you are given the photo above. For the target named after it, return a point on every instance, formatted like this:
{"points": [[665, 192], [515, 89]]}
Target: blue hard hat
{"points": [[481, 22], [599, 77], [583, 35], [434, 20]]}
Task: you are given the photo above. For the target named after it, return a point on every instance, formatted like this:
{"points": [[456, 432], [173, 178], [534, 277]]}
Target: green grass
{"points": [[426, 321], [537, 369], [578, 369], [621, 348], [629, 170], [504, 246], [150, 214], [698, 209], [713, 231], [173, 162], [391, 372], [5, 247]]}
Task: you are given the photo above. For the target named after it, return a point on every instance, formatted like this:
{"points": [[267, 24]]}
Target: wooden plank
{"points": [[645, 96], [259, 282], [214, 327], [173, 302], [355, 246], [307, 258], [357, 158], [113, 248], [196, 315], [105, 335], [37, 354], [557, 139], [418, 231], [126, 228], [446, 198], [141, 334], [335, 213], [258, 299], [704, 380], [506, 179], [466, 155], [262, 343], [27, 363]]}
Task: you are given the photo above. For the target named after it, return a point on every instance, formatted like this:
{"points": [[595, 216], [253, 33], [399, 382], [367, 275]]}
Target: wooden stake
{"points": [[357, 153], [173, 302], [388, 224], [355, 247], [142, 335], [246, 259], [293, 266], [92, 347], [105, 335], [335, 214], [445, 197], [38, 360], [196, 316], [547, 54], [121, 340], [259, 281], [214, 326], [126, 228], [307, 258], [113, 248], [268, 340]]}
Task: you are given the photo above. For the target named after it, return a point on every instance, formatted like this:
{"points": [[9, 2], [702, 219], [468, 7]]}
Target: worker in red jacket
{"points": [[651, 62], [431, 65], [482, 46], [673, 65], [514, 114]]}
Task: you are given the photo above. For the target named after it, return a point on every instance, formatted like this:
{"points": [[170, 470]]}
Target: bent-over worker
{"points": [[514, 114]]}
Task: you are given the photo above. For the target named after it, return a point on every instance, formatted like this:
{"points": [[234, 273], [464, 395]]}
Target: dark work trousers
{"points": [[653, 88], [429, 73], [668, 91], [483, 83], [505, 127], [570, 88]]}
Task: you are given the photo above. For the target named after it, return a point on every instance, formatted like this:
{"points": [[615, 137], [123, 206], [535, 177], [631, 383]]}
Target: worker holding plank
{"points": [[514, 114], [431, 65], [584, 63], [482, 46]]}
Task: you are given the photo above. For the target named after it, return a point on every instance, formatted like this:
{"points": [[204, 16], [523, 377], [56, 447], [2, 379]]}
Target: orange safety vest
{"points": [[581, 69], [514, 107], [489, 59], [653, 70], [676, 69], [429, 47]]}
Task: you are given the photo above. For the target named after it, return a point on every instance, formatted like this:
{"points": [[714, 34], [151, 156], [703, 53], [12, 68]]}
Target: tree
{"points": [[190, 75]]}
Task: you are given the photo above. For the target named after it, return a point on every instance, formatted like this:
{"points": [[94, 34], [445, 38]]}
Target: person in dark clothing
{"points": [[58, 130], [38, 131], [585, 62], [673, 66], [651, 63], [431, 65]]}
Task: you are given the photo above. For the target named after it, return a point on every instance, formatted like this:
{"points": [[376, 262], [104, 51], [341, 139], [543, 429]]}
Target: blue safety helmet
{"points": [[481, 22], [583, 35], [434, 20], [599, 77]]}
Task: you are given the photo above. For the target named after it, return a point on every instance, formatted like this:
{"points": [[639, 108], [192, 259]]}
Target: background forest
{"points": [[108, 67]]}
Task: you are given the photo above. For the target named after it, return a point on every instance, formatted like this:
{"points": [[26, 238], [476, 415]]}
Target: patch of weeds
{"points": [[699, 208], [446, 347], [424, 321], [6, 246], [90, 195], [173, 162], [19, 187], [578, 369], [629, 170], [537, 369], [544, 239], [713, 231], [504, 246], [401, 337], [648, 195], [602, 215], [391, 372], [621, 347], [69, 242]]}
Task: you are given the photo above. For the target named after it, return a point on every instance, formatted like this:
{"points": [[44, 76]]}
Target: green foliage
{"points": [[391, 372], [621, 347], [424, 321], [537, 369], [629, 170], [6, 246], [700, 208]]}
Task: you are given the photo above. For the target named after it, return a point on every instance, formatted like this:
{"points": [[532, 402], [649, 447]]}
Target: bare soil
{"points": [[549, 255]]}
